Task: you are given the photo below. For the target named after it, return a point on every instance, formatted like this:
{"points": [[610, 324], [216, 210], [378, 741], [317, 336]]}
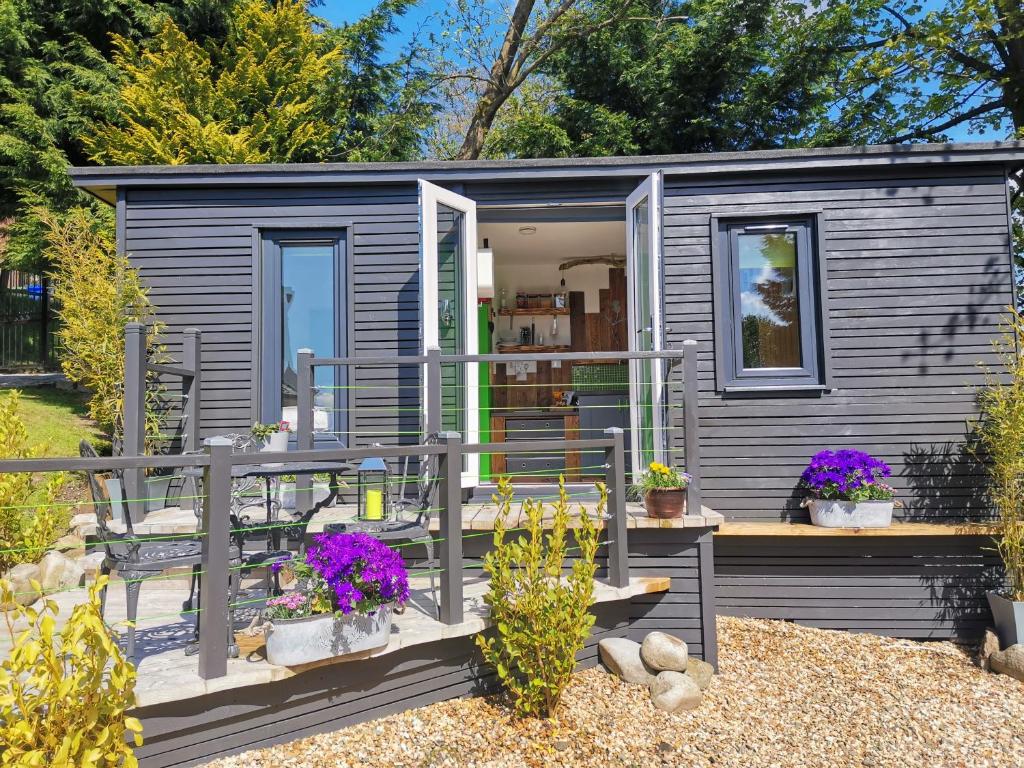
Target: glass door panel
{"points": [[448, 302], [643, 271]]}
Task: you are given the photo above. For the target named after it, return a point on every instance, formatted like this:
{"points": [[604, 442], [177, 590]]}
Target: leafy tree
{"points": [[692, 76], [278, 89], [55, 79]]}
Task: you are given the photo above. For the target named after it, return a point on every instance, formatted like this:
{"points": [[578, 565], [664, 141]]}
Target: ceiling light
{"points": [[527, 230]]}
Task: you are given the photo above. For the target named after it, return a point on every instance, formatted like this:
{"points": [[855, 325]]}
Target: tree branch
{"points": [[925, 131]]}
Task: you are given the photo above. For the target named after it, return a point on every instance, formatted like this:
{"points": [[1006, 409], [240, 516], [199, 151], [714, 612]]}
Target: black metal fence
{"points": [[28, 323]]}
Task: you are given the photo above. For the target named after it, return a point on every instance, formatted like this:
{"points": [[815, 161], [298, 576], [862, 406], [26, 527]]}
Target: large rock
{"points": [[989, 645], [700, 672], [91, 565], [622, 657], [1009, 662], [21, 578], [664, 652], [58, 571], [675, 692]]}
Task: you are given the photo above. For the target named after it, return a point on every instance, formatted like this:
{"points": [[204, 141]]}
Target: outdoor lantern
{"points": [[374, 503]]}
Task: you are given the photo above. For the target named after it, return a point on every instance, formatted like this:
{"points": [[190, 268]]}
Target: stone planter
{"points": [[665, 503], [275, 442], [291, 642], [1009, 619], [287, 493], [850, 514]]}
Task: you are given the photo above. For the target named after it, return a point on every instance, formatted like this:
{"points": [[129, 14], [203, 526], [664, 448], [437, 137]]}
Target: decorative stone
{"points": [[675, 692], [700, 672], [622, 657], [58, 571], [1009, 662], [91, 564], [988, 646], [21, 577], [664, 652], [72, 544]]}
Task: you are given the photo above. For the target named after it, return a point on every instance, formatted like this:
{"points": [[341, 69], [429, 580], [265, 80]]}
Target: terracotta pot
{"points": [[665, 504]]}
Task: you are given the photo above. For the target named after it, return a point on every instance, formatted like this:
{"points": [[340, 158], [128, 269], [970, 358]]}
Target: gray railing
{"points": [[434, 360], [215, 531], [137, 370]]}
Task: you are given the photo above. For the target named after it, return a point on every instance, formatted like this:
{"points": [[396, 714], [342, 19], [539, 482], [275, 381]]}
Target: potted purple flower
{"points": [[847, 490], [349, 586]]}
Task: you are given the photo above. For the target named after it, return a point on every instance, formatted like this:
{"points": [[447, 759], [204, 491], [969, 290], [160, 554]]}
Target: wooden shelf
{"points": [[534, 311], [896, 529], [518, 349]]}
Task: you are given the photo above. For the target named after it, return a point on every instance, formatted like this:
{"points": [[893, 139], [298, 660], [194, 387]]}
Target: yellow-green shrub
{"points": [[29, 519], [98, 294], [541, 619], [1001, 435], [64, 695]]}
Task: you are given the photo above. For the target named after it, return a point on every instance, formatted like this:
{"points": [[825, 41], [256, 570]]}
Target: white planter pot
{"points": [[1009, 619], [291, 642], [287, 494], [850, 514], [276, 442]]}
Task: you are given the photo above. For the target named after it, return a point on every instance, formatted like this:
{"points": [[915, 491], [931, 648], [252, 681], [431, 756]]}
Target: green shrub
{"points": [[29, 519], [1001, 437], [541, 618], [64, 695], [98, 294]]}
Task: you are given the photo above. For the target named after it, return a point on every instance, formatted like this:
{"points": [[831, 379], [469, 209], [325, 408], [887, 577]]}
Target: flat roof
{"points": [[104, 181]]}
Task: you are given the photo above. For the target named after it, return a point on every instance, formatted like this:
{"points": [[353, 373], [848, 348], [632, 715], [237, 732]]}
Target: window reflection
{"points": [[769, 307]]}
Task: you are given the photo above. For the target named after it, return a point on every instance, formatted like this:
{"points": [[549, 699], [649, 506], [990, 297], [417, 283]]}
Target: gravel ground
{"points": [[786, 696]]}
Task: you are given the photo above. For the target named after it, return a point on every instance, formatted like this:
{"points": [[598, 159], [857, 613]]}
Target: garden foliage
{"points": [[541, 616], [98, 294], [64, 695], [1001, 439], [29, 519]]}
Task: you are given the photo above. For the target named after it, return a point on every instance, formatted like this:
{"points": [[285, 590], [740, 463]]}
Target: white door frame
{"points": [[651, 189], [430, 196]]}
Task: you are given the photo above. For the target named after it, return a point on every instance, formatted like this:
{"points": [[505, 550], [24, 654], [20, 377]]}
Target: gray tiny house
{"points": [[840, 298]]}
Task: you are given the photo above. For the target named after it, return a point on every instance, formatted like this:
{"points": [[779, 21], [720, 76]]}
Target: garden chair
{"points": [[415, 530], [135, 559]]}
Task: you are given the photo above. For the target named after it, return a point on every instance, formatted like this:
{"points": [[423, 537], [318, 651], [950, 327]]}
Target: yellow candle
{"points": [[374, 504]]}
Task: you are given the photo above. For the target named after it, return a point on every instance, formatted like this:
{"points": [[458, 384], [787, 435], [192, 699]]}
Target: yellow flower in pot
{"points": [[663, 489]]}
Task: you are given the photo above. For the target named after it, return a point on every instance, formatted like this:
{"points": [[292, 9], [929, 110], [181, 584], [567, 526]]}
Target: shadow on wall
{"points": [[957, 575], [947, 482]]}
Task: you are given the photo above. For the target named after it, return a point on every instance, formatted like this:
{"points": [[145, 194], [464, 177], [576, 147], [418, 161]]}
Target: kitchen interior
{"points": [[558, 286]]}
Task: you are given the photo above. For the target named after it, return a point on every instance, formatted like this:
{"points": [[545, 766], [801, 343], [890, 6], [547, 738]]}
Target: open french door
{"points": [[645, 334], [448, 315]]}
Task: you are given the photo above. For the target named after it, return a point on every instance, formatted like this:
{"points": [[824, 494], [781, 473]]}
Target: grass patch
{"points": [[58, 420]]}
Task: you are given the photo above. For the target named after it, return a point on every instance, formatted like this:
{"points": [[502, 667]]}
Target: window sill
{"points": [[775, 389]]}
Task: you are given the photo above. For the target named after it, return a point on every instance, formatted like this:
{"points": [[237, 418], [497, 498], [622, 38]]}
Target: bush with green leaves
{"points": [[30, 517], [1001, 439], [541, 615]]}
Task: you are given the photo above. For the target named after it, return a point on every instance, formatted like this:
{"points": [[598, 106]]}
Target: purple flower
{"points": [[845, 474], [361, 572]]}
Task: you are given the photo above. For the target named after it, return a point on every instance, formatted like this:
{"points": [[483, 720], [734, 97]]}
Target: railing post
{"points": [[215, 630], [433, 421], [304, 426], [134, 418], [691, 425], [192, 359], [450, 483], [615, 480]]}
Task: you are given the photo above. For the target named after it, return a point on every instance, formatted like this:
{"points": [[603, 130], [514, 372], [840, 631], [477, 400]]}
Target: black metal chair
{"points": [[133, 559], [415, 530]]}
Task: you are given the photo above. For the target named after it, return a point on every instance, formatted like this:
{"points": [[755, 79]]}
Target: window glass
{"points": [[308, 315], [769, 306]]}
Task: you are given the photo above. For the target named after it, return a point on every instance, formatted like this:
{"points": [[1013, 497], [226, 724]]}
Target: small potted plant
{"points": [[663, 490], [273, 436], [847, 490], [349, 587]]}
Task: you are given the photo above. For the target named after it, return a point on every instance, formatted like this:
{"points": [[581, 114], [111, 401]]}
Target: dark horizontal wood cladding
{"points": [[328, 698], [925, 588], [193, 248], [918, 275]]}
